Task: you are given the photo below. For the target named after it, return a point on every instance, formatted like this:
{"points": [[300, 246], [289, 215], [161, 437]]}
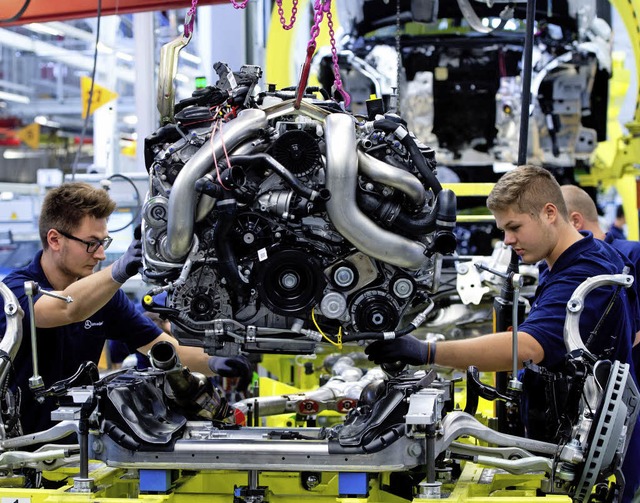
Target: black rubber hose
{"points": [[377, 336], [445, 240], [230, 178], [389, 126], [206, 185], [285, 174], [376, 445], [227, 211], [385, 211]]}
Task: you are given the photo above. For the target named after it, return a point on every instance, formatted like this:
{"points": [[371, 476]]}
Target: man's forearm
{"points": [[491, 352], [89, 294]]}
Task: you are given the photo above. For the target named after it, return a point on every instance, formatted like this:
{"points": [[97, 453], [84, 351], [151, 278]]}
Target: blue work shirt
{"points": [[631, 250], [617, 232], [61, 350], [584, 259]]}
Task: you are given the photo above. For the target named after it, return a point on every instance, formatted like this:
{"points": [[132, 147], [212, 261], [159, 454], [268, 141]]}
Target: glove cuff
{"points": [[118, 273], [212, 363]]}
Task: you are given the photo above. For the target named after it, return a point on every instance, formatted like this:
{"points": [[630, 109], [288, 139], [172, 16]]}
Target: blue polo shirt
{"points": [[631, 250], [587, 258], [61, 350]]}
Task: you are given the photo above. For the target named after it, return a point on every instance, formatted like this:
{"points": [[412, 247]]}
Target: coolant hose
{"points": [[227, 210], [298, 187], [445, 240], [230, 178], [389, 126], [387, 212]]}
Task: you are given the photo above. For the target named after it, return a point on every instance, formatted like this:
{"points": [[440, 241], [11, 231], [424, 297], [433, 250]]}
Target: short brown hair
{"points": [[578, 200], [65, 206], [527, 189]]}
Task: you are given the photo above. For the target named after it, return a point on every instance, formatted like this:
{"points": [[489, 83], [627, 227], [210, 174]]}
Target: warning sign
{"points": [[30, 135], [100, 96]]}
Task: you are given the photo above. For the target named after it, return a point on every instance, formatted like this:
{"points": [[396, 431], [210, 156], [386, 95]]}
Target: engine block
{"points": [[273, 225]]}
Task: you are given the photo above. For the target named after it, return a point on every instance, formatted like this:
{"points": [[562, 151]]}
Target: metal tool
{"points": [[32, 288]]}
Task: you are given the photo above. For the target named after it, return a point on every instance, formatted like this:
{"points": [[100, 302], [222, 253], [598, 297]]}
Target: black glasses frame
{"points": [[92, 246]]}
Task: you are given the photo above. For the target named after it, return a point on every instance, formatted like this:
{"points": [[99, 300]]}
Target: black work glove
{"points": [[406, 349], [129, 263], [233, 366]]}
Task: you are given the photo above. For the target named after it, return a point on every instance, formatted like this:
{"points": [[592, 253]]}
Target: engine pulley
{"points": [[290, 282], [375, 311]]}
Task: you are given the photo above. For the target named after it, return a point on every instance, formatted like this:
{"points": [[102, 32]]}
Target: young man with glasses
{"points": [[74, 236]]}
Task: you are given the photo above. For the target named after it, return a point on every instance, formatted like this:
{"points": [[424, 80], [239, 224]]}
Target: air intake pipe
{"points": [[445, 240], [351, 222], [183, 197]]}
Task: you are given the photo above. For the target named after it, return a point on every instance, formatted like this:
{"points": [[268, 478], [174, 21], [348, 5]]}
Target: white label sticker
{"points": [[262, 254]]}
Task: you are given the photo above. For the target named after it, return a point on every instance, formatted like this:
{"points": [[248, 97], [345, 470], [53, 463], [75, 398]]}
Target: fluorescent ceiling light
{"points": [[104, 48], [18, 98], [191, 57], [124, 56], [130, 120], [12, 153], [43, 28], [43, 121], [181, 77]]}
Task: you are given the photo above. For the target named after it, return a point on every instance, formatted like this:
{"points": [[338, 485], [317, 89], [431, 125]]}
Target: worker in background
{"points": [[583, 214], [73, 232], [617, 227], [528, 206]]}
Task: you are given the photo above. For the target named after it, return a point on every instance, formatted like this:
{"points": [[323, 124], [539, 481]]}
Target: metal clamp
{"points": [[32, 288]]}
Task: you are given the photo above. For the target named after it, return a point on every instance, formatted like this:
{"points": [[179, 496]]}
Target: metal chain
{"points": [[190, 18], [319, 8], [287, 26], [318, 13], [334, 59], [398, 54], [294, 11], [239, 5]]}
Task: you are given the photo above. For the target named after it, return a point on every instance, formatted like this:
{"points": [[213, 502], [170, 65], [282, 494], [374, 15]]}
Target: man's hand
{"points": [[129, 263], [406, 349], [233, 366]]}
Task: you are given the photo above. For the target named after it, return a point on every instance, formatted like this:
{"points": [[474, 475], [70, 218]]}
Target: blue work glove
{"points": [[233, 366], [406, 349], [129, 263]]}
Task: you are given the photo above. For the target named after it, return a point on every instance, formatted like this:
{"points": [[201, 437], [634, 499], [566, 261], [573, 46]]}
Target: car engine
{"points": [[271, 222]]}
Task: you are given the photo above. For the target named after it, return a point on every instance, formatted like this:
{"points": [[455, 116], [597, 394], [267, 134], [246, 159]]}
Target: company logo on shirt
{"points": [[89, 324]]}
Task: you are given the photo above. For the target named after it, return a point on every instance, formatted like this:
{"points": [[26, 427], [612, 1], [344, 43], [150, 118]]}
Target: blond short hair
{"points": [[527, 189]]}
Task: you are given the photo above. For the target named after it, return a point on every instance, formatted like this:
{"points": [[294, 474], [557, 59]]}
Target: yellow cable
{"points": [[337, 344]]}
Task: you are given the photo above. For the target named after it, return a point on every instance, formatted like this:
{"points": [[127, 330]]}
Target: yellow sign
{"points": [[100, 96], [30, 135]]}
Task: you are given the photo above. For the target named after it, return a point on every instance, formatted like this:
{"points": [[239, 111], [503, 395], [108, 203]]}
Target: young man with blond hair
{"points": [[529, 208]]}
